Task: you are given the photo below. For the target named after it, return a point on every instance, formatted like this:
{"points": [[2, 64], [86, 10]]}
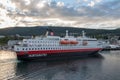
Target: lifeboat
{"points": [[64, 42], [73, 42]]}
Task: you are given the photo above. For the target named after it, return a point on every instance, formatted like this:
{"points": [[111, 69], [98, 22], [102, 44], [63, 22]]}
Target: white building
{"points": [[11, 43], [1, 36]]}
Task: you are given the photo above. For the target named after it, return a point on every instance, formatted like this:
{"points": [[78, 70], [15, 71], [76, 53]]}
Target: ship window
{"points": [[29, 48], [23, 48], [25, 41], [17, 48]]}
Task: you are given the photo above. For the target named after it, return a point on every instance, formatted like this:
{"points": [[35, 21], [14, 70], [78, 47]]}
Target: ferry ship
{"points": [[51, 46]]}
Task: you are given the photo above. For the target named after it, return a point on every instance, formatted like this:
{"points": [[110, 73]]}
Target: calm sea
{"points": [[105, 66]]}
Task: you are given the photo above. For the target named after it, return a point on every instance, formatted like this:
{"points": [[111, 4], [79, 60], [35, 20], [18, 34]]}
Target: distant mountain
{"points": [[40, 30]]}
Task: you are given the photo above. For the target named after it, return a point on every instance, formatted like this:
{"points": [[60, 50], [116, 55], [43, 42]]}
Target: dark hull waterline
{"points": [[67, 55]]}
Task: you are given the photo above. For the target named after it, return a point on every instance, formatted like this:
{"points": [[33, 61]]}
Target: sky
{"points": [[96, 14]]}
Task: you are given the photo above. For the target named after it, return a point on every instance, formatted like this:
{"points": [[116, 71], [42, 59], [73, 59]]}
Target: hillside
{"points": [[40, 30]]}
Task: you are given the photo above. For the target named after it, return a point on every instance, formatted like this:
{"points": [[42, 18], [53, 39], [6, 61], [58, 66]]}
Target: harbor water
{"points": [[105, 66]]}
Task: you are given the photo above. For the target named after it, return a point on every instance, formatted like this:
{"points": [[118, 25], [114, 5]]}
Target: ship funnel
{"points": [[51, 32]]}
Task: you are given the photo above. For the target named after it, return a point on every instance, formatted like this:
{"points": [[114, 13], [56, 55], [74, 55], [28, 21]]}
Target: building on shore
{"points": [[11, 43], [1, 36]]}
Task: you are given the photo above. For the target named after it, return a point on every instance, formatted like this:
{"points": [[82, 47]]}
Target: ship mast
{"points": [[66, 33], [46, 34], [83, 34]]}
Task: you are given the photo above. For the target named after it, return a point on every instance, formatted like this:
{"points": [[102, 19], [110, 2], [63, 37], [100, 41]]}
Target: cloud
{"points": [[83, 13], [91, 4], [60, 4]]}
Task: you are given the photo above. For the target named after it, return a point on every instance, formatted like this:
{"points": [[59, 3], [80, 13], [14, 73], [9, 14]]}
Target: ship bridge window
{"points": [[91, 40], [25, 41], [25, 45], [65, 39], [78, 39], [53, 38]]}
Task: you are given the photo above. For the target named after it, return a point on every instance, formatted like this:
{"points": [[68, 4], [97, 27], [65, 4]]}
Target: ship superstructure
{"points": [[49, 46]]}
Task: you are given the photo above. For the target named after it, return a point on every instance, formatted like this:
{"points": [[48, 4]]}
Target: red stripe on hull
{"points": [[57, 51]]}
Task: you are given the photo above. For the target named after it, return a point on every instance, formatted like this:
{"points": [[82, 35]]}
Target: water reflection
{"points": [[101, 67], [59, 70], [7, 70], [8, 64]]}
